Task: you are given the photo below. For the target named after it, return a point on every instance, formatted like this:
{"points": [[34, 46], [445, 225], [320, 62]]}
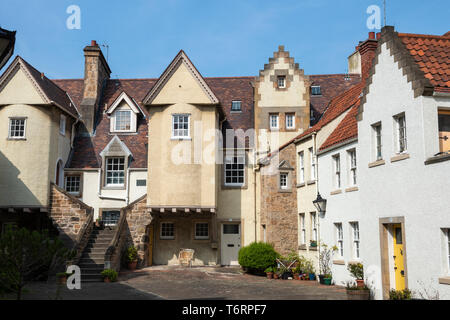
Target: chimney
{"points": [[361, 60], [96, 72]]}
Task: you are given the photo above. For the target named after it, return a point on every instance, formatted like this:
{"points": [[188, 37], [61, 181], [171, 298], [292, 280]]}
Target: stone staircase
{"points": [[92, 260]]}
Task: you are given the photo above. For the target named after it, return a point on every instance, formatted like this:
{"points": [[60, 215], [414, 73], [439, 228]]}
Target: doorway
{"points": [[230, 243]]}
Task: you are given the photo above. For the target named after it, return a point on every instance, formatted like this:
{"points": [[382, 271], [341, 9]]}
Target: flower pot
{"points": [[327, 281], [361, 294], [312, 276], [321, 278], [269, 275], [305, 276], [106, 279], [132, 265], [276, 276], [296, 276], [360, 283]]}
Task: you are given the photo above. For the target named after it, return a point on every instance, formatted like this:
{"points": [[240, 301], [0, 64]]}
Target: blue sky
{"points": [[222, 38]]}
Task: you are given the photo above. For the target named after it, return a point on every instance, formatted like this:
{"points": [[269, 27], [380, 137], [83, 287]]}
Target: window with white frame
{"points": [[62, 124], [283, 180], [312, 160], [376, 128], [167, 231], [234, 170], [72, 184], [281, 82], [301, 164], [115, 171], [122, 120], [337, 171], [17, 128], [315, 90], [355, 239], [400, 124], [274, 121], [314, 226], [202, 230], [339, 238], [180, 126], [236, 105], [302, 229], [352, 166], [290, 121]]}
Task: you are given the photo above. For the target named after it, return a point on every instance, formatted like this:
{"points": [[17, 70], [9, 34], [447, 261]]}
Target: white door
{"points": [[231, 243]]}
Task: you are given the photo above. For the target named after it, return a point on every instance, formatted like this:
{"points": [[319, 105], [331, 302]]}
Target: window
{"points": [[281, 82], [167, 231], [274, 121], [7, 225], [122, 120], [313, 164], [234, 170], [448, 249], [283, 181], [141, 183], [264, 232], [230, 229], [290, 121], [337, 171], [62, 125], [401, 133], [340, 238], [377, 139], [352, 160], [202, 231], [314, 226], [444, 130], [17, 128], [236, 106], [301, 161], [180, 126], [72, 184], [355, 232], [115, 171], [110, 217], [302, 229], [315, 90]]}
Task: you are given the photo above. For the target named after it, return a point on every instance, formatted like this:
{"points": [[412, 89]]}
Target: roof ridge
{"points": [[417, 35]]}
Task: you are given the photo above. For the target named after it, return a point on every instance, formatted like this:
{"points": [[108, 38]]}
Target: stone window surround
{"points": [[288, 79], [294, 121], [72, 174], [24, 137], [125, 173]]}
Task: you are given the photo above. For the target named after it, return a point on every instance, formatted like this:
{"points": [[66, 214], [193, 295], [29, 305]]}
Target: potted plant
{"points": [[269, 272], [357, 272], [62, 277], [313, 243], [327, 279], [109, 275], [276, 273], [310, 273], [297, 271], [357, 293], [325, 256], [132, 257]]}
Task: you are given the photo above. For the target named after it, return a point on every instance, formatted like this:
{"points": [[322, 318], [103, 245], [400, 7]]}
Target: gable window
{"points": [[401, 132], [180, 126], [72, 184], [376, 128], [355, 232], [17, 128], [313, 164], [315, 90], [167, 231], [283, 180], [274, 121], [337, 171], [302, 229], [62, 125], [444, 130], [352, 160], [234, 170], [122, 120], [290, 121], [202, 231], [301, 161], [281, 80], [339, 238], [115, 171], [236, 106]]}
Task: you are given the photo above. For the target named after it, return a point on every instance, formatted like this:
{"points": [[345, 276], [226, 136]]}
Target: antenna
{"points": [[107, 50], [384, 5]]}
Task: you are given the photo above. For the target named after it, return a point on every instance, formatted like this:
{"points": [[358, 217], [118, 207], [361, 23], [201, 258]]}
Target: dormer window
{"points": [[123, 114], [236, 106], [316, 91], [281, 82], [122, 120]]}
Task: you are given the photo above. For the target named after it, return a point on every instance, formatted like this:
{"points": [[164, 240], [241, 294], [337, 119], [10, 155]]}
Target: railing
{"points": [[112, 254]]}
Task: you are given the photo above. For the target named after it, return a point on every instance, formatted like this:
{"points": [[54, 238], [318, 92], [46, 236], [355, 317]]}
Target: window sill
{"points": [[354, 261], [313, 248], [310, 182], [124, 133], [114, 188], [300, 185], [285, 190], [399, 157], [439, 158], [339, 262], [376, 163], [444, 280], [351, 189], [16, 139], [236, 111], [181, 138], [302, 247], [231, 187], [335, 192]]}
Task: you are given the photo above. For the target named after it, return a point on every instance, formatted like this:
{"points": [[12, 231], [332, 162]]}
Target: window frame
{"points": [[234, 184], [377, 141], [312, 160], [277, 117], [442, 113], [62, 124], [301, 171], [113, 185], [316, 94], [339, 238], [240, 106], [196, 237], [352, 167], [302, 229], [400, 134], [166, 237], [337, 183], [188, 130], [285, 180], [283, 84], [116, 112], [356, 240], [80, 185], [314, 233], [292, 116], [11, 119]]}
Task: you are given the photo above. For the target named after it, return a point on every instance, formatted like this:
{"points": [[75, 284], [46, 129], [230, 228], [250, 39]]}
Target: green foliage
{"points": [[353, 286], [325, 256], [27, 255], [356, 270], [257, 257], [309, 267], [132, 254], [110, 273], [404, 294], [270, 269]]}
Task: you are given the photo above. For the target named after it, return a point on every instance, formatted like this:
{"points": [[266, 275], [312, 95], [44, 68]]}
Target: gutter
{"points": [[336, 146]]}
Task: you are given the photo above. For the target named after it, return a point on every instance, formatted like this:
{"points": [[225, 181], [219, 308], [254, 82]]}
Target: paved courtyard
{"points": [[190, 284]]}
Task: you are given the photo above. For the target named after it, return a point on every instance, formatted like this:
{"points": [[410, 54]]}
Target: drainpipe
{"points": [[255, 168]]}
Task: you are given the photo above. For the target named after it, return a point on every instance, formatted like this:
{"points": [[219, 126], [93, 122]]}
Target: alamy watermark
{"points": [[73, 22]]}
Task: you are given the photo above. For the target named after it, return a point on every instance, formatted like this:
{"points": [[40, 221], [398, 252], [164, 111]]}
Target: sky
{"points": [[222, 38]]}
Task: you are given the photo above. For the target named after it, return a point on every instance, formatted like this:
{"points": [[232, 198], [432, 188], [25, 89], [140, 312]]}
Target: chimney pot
{"points": [[372, 35], [378, 35], [94, 43]]}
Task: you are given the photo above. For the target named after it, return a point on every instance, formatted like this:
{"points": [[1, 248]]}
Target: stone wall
{"points": [[279, 207]]}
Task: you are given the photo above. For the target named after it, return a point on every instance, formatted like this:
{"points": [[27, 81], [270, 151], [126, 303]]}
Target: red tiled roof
{"points": [[432, 55]]}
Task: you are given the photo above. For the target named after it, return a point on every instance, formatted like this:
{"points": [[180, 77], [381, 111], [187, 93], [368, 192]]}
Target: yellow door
{"points": [[150, 245], [399, 263]]}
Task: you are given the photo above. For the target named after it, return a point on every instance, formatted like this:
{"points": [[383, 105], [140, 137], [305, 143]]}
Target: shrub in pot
{"points": [[132, 257], [357, 272], [269, 272], [325, 256], [257, 257], [297, 272], [109, 275]]}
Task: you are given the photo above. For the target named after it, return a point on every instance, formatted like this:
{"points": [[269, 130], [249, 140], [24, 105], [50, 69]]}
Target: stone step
{"points": [[99, 241], [95, 277], [93, 260], [93, 270], [95, 250], [92, 246], [91, 265], [90, 255]]}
